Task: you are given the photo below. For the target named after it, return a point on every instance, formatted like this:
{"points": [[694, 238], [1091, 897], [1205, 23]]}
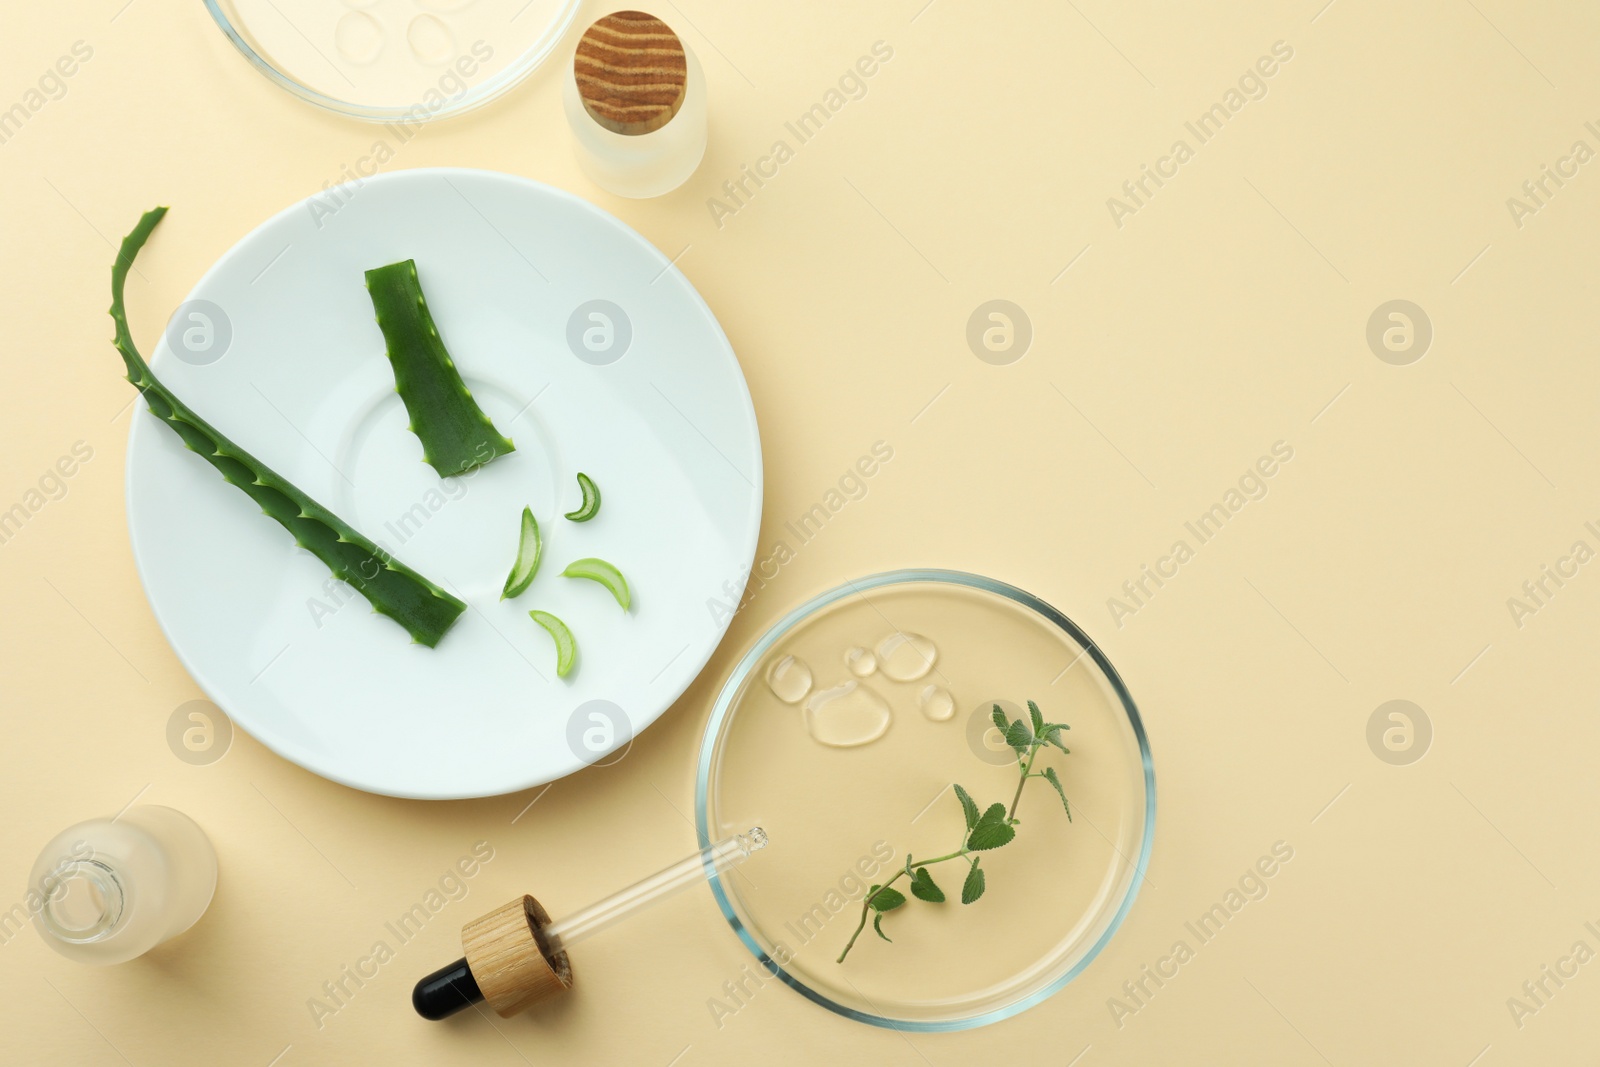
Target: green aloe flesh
{"points": [[456, 435], [566, 644], [598, 570], [425, 610], [591, 500], [529, 548]]}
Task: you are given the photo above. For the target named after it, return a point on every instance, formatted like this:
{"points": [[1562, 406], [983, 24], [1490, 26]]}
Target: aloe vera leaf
{"points": [[530, 547], [393, 589], [598, 570], [591, 500], [456, 435], [566, 644]]}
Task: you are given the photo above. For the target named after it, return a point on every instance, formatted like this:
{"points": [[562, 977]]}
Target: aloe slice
{"points": [[529, 549], [598, 570], [566, 644], [456, 435], [591, 500], [393, 589]]}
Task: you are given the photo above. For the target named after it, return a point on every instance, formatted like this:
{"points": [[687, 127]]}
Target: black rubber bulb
{"points": [[446, 991]]}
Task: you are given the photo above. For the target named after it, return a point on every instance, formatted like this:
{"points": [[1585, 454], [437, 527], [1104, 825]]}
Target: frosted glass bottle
{"points": [[106, 891], [635, 98]]}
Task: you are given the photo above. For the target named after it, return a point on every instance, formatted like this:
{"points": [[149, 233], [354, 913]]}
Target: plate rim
{"points": [[745, 558], [775, 632]]}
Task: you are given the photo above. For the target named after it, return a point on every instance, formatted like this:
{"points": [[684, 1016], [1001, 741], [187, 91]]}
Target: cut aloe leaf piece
{"points": [[566, 644], [598, 570], [393, 589], [456, 435], [529, 549], [591, 500]]}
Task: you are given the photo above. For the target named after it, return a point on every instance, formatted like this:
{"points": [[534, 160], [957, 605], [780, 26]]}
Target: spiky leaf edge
{"points": [[424, 609], [456, 435]]}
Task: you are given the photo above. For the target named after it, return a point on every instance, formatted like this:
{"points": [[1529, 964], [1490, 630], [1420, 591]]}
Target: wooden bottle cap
{"points": [[507, 960], [632, 73]]}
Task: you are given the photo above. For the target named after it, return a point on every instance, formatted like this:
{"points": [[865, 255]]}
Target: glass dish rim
{"points": [[525, 64], [775, 632]]}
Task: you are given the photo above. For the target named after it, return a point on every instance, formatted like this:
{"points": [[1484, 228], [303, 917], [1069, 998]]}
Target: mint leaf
{"points": [[987, 835], [1052, 734], [972, 888], [1037, 716], [995, 813], [882, 898], [876, 921], [1050, 776], [923, 888], [1000, 719], [969, 807], [1018, 736]]}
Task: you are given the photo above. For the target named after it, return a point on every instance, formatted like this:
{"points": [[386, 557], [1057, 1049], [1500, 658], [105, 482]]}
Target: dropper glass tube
{"points": [[454, 987], [565, 932]]}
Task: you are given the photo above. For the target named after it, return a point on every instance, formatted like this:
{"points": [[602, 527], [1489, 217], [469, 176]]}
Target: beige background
{"points": [[1227, 314]]}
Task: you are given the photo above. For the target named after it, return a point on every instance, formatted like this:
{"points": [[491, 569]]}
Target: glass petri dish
{"points": [[402, 61], [843, 818]]}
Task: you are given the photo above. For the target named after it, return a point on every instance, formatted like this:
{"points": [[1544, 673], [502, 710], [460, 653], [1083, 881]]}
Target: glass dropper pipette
{"points": [[453, 988], [565, 932]]}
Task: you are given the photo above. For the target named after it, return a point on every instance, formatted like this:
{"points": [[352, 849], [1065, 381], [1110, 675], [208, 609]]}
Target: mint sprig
{"points": [[984, 830]]}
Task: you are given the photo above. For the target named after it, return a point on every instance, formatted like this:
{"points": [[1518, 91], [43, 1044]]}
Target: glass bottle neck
{"points": [[84, 901]]}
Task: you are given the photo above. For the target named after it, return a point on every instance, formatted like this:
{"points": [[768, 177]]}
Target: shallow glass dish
{"points": [[404, 61], [841, 818]]}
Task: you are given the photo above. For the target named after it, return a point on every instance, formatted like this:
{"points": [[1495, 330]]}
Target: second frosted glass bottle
{"points": [[635, 98]]}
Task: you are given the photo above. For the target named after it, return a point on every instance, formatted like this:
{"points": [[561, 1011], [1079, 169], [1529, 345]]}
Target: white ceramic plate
{"points": [[667, 430]]}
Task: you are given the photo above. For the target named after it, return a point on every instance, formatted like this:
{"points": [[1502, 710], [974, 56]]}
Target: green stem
{"points": [[866, 902], [866, 908], [1027, 771]]}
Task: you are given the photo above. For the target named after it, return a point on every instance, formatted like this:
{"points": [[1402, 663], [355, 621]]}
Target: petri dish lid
{"points": [[843, 816], [395, 60]]}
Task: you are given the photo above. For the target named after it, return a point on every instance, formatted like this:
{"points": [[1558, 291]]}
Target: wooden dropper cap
{"points": [[631, 71], [506, 965]]}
